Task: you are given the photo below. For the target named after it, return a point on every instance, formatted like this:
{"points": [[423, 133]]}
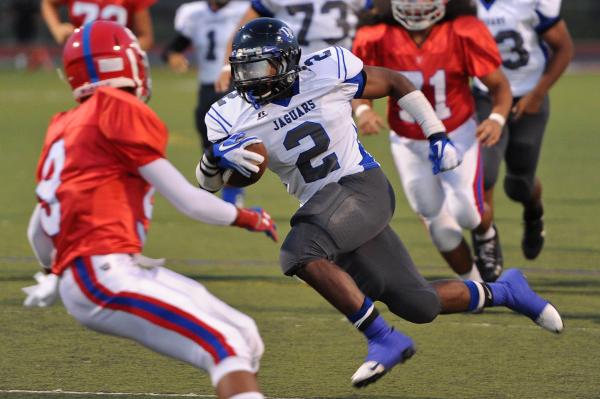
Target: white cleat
{"points": [[550, 319], [367, 373]]}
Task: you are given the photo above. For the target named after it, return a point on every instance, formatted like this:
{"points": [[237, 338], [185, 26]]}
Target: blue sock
{"points": [[368, 320], [230, 194], [499, 293], [485, 294]]}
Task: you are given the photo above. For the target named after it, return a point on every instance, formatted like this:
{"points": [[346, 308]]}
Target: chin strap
{"points": [[252, 99]]}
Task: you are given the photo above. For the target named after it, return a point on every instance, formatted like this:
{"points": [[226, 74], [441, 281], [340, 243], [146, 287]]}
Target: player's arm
{"points": [[383, 82], [142, 27], [490, 129], [561, 44], [59, 30], [40, 242], [174, 53], [224, 79], [201, 205]]}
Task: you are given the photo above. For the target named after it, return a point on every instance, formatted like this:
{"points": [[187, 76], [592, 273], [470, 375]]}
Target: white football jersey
{"points": [[209, 32], [517, 26], [317, 23], [311, 138]]}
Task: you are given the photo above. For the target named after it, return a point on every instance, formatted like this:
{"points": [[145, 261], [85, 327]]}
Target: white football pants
{"points": [[449, 201], [162, 310]]}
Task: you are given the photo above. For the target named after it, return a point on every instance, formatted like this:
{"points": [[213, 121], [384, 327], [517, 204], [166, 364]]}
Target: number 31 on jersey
{"points": [[438, 82]]}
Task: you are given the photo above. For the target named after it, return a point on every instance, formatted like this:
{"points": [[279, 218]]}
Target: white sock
{"points": [[248, 395], [472, 274], [489, 234]]}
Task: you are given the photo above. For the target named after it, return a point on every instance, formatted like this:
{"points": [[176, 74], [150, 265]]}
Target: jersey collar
{"points": [[487, 3], [285, 101]]}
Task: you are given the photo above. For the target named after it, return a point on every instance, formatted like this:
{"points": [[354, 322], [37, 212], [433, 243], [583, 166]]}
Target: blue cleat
{"points": [[385, 352], [522, 299]]}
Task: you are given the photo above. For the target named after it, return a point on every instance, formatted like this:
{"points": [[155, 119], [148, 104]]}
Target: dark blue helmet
{"points": [[264, 60]]}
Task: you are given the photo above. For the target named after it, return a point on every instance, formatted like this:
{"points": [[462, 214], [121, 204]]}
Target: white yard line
{"points": [[160, 395]]}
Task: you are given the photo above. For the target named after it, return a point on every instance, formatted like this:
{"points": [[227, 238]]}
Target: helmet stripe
{"points": [[87, 53]]}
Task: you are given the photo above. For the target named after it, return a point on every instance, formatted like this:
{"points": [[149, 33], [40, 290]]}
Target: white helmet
{"points": [[418, 14]]}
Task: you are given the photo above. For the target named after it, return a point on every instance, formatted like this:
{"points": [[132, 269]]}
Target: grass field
{"points": [[310, 351]]}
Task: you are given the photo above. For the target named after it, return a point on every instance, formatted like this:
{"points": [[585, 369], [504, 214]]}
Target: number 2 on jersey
{"points": [[49, 183], [438, 82], [319, 136]]}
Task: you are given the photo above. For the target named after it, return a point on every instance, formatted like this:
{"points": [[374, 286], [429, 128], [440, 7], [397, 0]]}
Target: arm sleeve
{"points": [[134, 129], [41, 244], [189, 200], [217, 126], [481, 55], [350, 73], [548, 12]]}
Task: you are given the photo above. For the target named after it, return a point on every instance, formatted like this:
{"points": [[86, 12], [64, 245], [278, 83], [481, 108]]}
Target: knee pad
{"points": [[445, 232], [518, 188]]}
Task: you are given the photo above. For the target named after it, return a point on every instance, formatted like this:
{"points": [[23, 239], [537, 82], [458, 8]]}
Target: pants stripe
{"points": [[153, 310]]}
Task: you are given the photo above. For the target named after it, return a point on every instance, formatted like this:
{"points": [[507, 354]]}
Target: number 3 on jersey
{"points": [[49, 183], [438, 82]]}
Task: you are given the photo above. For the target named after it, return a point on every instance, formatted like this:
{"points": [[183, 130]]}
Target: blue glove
{"points": [[231, 154], [442, 153]]}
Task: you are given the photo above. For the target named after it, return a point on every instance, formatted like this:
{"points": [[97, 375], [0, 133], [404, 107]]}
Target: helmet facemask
{"points": [[261, 76], [416, 15]]}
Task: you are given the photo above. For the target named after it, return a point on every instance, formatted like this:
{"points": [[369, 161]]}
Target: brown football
{"points": [[236, 179]]}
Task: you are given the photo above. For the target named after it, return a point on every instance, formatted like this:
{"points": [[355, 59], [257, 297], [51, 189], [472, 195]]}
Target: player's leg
{"points": [[207, 96], [111, 294], [426, 197], [486, 245], [521, 183], [338, 219]]}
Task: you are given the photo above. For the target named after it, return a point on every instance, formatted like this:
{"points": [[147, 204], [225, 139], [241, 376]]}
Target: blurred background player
{"points": [[207, 26], [134, 14], [100, 164], [439, 49], [341, 243], [536, 48]]}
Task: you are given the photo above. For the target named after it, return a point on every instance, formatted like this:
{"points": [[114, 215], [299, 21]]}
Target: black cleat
{"points": [[533, 237], [488, 256]]}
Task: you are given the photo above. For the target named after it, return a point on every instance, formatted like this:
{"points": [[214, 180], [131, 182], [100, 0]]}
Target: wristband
{"points": [[226, 68], [361, 109], [494, 116]]}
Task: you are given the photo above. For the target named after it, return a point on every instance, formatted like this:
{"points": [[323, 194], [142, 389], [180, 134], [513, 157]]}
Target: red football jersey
{"points": [[454, 51], [120, 11], [94, 199]]}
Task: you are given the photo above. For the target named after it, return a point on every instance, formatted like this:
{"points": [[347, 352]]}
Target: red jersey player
{"points": [[96, 176], [134, 14], [440, 53]]}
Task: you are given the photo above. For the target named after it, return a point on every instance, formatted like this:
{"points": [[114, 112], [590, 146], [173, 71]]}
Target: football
{"points": [[236, 179]]}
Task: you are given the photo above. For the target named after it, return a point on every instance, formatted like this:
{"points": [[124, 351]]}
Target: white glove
{"points": [[442, 153], [44, 293], [232, 154]]}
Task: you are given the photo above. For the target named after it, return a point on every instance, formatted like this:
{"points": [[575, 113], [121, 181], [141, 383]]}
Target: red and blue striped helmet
{"points": [[104, 53]]}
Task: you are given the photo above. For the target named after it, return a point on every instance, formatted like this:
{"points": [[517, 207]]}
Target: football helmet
{"points": [[264, 60], [104, 53], [418, 14]]}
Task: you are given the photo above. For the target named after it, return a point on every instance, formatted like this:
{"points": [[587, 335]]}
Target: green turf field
{"points": [[311, 352]]}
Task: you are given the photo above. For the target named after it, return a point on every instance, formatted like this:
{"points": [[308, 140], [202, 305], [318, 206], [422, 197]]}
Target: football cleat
{"points": [[488, 256], [384, 353], [533, 238], [522, 299]]}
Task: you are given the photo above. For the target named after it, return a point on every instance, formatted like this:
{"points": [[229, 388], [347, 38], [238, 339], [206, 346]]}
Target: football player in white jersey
{"points": [[317, 23], [525, 31], [341, 243], [206, 26]]}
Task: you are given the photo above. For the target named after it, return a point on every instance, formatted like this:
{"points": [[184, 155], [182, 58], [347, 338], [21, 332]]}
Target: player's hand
{"points": [[231, 154], [369, 122], [488, 132], [442, 153], [530, 103], [223, 81], [44, 293], [256, 219], [62, 32], [178, 63]]}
